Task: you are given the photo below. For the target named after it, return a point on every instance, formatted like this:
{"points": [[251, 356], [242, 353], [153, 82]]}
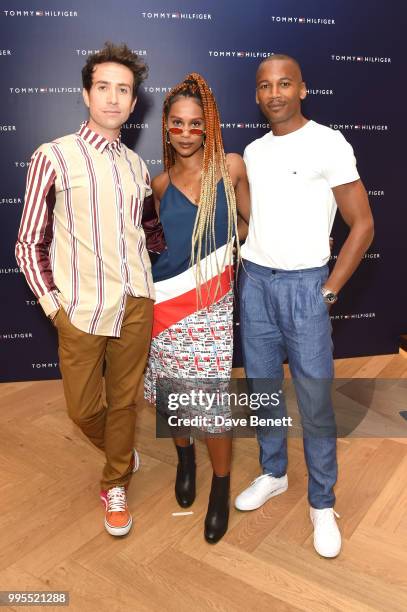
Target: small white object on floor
{"points": [[181, 513]]}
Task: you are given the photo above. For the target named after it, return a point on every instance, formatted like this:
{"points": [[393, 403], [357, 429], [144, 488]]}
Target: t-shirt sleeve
{"points": [[246, 155], [339, 165]]}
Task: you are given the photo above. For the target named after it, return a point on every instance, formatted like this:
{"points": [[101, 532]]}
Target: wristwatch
{"points": [[330, 297]]}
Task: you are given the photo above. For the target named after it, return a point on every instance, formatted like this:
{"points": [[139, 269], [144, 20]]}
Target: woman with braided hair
{"points": [[199, 198]]}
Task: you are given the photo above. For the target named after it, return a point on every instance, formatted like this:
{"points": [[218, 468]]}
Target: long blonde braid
{"points": [[203, 234]]}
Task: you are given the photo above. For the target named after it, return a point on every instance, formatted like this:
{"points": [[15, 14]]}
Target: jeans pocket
{"points": [[309, 301]]}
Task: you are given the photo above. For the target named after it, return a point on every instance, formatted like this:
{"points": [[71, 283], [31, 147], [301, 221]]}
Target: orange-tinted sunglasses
{"points": [[194, 131]]}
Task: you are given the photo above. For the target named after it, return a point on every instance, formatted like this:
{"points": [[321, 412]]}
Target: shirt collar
{"points": [[99, 142]]}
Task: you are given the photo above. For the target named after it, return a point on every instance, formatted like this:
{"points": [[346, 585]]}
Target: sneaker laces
{"points": [[260, 478], [116, 499], [325, 516]]}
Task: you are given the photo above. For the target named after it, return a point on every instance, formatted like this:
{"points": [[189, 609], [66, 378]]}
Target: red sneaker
{"points": [[118, 519]]}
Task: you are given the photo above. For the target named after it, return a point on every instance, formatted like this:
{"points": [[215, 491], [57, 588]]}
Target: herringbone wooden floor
{"points": [[52, 534]]}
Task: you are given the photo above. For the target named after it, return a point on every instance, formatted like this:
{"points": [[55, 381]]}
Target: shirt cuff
{"points": [[50, 302]]}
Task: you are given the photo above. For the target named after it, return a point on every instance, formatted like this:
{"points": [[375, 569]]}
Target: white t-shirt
{"points": [[292, 204]]}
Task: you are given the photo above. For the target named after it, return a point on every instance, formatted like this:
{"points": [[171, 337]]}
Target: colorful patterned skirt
{"points": [[194, 357]]}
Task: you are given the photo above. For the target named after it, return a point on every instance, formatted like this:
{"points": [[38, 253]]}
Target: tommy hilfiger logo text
{"points": [[303, 20], [138, 52], [375, 192], [368, 256], [135, 126], [16, 336], [157, 89], [5, 51], [361, 59], [44, 90], [240, 54], [8, 128], [39, 366], [359, 127], [244, 125], [153, 162], [178, 15], [357, 315], [5, 200], [320, 92], [10, 271], [38, 13]]}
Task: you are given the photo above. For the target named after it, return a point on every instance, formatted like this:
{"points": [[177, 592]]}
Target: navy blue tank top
{"points": [[177, 215]]}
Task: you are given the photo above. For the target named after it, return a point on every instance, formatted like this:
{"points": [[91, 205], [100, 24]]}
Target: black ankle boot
{"points": [[217, 517], [185, 481]]}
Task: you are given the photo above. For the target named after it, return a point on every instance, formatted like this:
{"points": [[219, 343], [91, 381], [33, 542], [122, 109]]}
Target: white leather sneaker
{"points": [[327, 537], [260, 490]]}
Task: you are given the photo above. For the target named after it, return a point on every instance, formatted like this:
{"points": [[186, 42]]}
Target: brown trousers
{"points": [[81, 360]]}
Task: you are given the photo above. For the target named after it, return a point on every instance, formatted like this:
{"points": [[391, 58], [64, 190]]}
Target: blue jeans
{"points": [[283, 314]]}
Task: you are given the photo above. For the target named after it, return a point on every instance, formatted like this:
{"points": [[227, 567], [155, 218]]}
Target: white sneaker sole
{"points": [[329, 555], [247, 508], [118, 531]]}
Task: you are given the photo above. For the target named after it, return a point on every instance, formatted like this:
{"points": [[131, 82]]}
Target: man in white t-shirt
{"points": [[299, 173]]}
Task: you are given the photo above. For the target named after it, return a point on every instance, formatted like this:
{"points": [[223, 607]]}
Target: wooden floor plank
{"points": [[272, 578]]}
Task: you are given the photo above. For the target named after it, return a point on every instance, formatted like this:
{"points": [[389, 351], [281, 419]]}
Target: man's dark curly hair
{"points": [[120, 54]]}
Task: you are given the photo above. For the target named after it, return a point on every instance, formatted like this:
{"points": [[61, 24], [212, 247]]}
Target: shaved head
{"points": [[285, 58], [279, 91]]}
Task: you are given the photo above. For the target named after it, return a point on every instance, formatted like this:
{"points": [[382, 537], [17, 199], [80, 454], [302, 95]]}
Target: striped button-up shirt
{"points": [[81, 244]]}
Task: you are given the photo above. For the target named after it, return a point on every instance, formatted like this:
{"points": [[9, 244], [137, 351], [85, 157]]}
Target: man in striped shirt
{"points": [[82, 249]]}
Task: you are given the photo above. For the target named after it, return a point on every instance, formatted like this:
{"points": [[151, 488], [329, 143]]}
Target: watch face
{"points": [[329, 296]]}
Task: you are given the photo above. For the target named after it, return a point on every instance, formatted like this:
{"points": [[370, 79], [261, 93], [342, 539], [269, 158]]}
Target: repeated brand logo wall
{"points": [[177, 15], [361, 59], [359, 127], [86, 52], [39, 13], [44, 90], [239, 54], [302, 20]]}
